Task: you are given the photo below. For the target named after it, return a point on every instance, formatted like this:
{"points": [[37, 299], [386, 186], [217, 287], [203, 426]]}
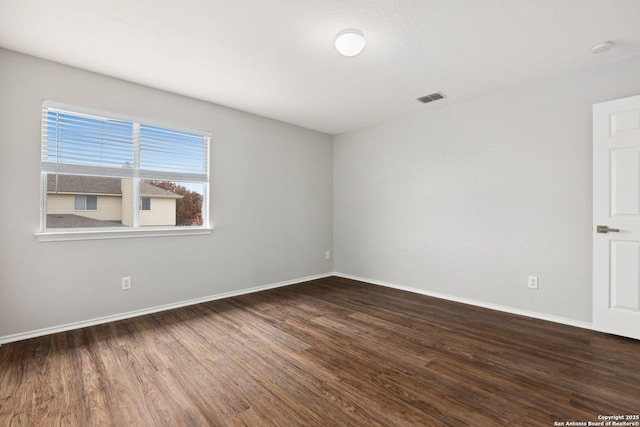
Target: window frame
{"points": [[137, 176]]}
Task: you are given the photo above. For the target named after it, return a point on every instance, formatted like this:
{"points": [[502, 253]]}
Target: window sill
{"points": [[63, 235]]}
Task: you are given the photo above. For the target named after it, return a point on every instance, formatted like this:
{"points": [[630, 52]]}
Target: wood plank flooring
{"points": [[330, 352]]}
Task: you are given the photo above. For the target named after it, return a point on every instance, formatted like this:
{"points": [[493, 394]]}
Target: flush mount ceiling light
{"points": [[350, 42], [601, 47]]}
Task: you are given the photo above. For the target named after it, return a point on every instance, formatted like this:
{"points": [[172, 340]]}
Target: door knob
{"points": [[606, 229]]}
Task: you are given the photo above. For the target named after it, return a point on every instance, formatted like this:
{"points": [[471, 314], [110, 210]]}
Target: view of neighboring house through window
{"points": [[100, 170], [85, 203]]}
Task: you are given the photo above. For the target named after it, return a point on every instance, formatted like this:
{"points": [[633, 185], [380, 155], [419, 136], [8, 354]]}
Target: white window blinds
{"points": [[76, 141]]}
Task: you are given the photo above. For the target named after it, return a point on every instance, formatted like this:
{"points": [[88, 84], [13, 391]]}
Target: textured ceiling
{"points": [[276, 58]]}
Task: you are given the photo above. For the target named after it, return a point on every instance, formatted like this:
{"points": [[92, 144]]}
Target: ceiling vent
{"points": [[431, 97]]}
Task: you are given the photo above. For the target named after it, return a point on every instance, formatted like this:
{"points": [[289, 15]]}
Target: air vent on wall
{"points": [[431, 97]]}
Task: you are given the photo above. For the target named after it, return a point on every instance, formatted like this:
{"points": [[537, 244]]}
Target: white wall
{"points": [[469, 199], [465, 200], [271, 203]]}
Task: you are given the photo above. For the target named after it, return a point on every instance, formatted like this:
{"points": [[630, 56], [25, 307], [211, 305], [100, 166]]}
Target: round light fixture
{"points": [[350, 42], [601, 47]]}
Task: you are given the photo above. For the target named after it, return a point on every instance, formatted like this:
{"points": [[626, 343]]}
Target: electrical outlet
{"points": [[533, 282], [126, 283], [327, 255]]}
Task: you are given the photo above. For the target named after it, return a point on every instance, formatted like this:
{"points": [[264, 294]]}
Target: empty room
{"points": [[327, 213]]}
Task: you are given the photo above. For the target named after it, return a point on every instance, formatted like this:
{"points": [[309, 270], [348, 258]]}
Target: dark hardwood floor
{"points": [[330, 352]]}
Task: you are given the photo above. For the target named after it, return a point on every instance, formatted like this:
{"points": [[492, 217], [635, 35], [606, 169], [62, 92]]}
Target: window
{"points": [[145, 203], [92, 159], [85, 203]]}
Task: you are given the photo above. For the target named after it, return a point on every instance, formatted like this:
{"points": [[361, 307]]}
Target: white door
{"points": [[616, 217]]}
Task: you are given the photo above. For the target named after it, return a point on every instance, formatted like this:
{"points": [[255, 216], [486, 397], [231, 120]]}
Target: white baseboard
{"points": [[106, 319], [506, 309]]}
